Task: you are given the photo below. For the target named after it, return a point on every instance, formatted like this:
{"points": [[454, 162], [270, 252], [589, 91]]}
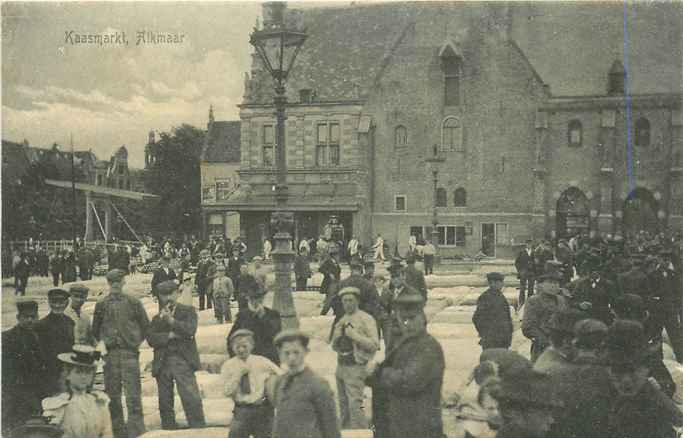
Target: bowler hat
{"points": [[37, 424], [26, 305], [239, 333], [529, 388], [115, 275], [57, 294], [409, 297], [550, 276], [289, 335], [495, 276], [81, 355], [79, 289], [627, 345], [563, 321], [166, 287], [349, 290]]}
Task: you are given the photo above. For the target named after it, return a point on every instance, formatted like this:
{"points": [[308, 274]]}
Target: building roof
{"points": [[571, 45], [222, 142], [574, 45]]}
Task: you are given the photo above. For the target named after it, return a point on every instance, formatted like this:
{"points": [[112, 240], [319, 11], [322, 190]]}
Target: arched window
{"points": [[451, 135], [441, 197], [460, 197], [642, 132], [451, 73], [400, 137], [575, 134]]}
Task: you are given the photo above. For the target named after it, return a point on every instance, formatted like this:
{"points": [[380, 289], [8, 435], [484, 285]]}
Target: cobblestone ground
{"points": [[449, 311]]}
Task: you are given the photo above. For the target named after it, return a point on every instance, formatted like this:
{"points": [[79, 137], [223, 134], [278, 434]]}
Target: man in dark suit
{"points": [[524, 263], [414, 277], [23, 365], [164, 273], [593, 293], [330, 269], [492, 318], [263, 322], [171, 334], [56, 335], [234, 271]]}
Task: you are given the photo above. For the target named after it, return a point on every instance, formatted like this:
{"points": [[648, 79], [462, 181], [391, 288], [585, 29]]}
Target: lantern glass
{"points": [[278, 49]]}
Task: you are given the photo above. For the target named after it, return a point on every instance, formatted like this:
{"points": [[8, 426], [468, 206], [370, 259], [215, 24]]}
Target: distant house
{"points": [[220, 163]]}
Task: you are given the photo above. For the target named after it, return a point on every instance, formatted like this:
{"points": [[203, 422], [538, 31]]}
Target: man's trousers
{"points": [[525, 283], [252, 420], [429, 264], [205, 297], [350, 385], [122, 372], [176, 369], [221, 308]]}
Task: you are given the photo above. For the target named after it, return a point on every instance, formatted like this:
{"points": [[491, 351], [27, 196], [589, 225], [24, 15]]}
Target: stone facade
{"points": [[461, 80]]}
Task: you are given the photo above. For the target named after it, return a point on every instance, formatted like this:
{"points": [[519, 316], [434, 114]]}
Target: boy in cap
{"points": [[80, 411], [171, 334], [355, 339], [492, 317], [222, 292], [120, 322], [265, 323], [82, 322], [304, 402], [23, 364], [539, 308], [246, 377], [56, 334]]}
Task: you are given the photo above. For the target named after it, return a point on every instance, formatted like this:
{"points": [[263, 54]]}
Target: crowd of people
{"points": [[594, 310]]}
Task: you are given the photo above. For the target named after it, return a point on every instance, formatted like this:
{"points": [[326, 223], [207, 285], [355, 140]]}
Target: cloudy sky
{"points": [[108, 96]]}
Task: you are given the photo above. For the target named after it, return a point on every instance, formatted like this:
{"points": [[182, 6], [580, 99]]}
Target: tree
{"points": [[175, 177]]}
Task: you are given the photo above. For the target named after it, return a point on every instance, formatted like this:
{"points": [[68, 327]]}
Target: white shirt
{"points": [[260, 369]]}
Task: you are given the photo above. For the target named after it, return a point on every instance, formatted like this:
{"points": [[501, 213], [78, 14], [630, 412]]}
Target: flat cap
{"points": [[291, 335], [349, 290], [26, 305], [495, 276], [239, 333], [57, 293], [115, 275], [78, 289], [166, 287]]}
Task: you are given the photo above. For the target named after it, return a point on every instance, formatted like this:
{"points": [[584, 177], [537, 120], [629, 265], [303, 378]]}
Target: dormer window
{"points": [[575, 134], [642, 132], [452, 68]]}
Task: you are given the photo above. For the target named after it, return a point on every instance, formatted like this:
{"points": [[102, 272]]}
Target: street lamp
{"points": [[278, 47], [433, 162]]}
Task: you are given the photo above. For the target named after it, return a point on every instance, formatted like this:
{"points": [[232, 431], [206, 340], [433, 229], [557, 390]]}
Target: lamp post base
{"points": [[435, 242], [283, 256]]}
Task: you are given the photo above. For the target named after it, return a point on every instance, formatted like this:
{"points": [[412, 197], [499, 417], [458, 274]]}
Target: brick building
{"points": [[541, 131]]}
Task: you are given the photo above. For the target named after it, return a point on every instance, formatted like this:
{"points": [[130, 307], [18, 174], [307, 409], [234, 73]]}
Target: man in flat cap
{"points": [[304, 402], [163, 273], [264, 322], [121, 322], [539, 309], [492, 317], [82, 323], [203, 278], [369, 299], [23, 366], [247, 378], [406, 397], [172, 335], [524, 264], [355, 339], [527, 403], [56, 334], [330, 269]]}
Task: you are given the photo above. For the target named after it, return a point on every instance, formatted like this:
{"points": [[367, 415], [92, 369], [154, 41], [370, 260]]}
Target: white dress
{"points": [[80, 416]]}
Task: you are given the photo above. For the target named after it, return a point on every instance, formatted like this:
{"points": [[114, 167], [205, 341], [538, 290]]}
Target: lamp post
{"points": [[277, 48], [433, 162]]}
